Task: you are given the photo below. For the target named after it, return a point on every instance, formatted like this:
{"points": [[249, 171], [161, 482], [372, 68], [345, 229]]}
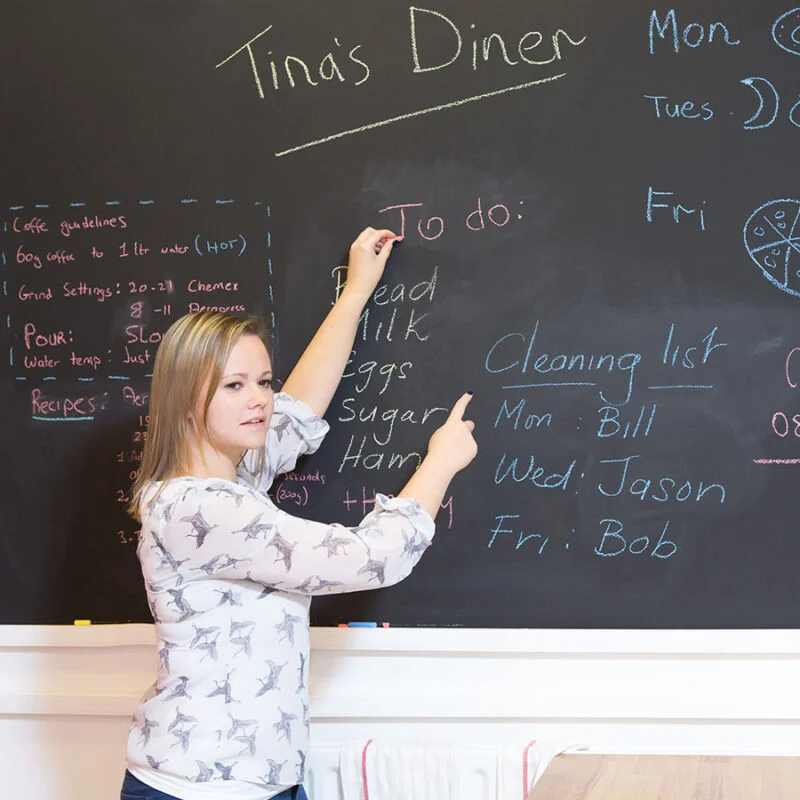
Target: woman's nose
{"points": [[260, 395]]}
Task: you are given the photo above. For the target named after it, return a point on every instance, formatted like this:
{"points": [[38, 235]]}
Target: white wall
{"points": [[66, 695]]}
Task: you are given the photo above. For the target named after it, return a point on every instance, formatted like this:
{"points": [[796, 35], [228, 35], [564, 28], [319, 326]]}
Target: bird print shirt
{"points": [[229, 579]]}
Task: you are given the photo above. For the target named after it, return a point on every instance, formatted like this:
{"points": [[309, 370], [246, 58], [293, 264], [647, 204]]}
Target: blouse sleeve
{"points": [[294, 430], [238, 535]]}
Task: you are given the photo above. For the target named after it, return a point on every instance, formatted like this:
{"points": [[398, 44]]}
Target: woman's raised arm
{"points": [[316, 376]]}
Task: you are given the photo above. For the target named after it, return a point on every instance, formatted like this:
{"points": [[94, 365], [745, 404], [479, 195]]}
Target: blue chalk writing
{"points": [[537, 475], [523, 536], [676, 210], [515, 351], [684, 110], [63, 419], [501, 518], [668, 489], [614, 543], [685, 357], [611, 423], [693, 35], [515, 414]]}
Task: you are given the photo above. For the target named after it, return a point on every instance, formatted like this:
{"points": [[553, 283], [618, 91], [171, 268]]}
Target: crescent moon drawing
{"points": [[786, 31], [768, 103], [794, 116]]}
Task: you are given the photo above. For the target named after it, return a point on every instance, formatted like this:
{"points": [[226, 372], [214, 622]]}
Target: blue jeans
{"points": [[134, 789]]}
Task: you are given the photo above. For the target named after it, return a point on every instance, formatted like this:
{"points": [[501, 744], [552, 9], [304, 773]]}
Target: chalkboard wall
{"points": [[600, 204]]}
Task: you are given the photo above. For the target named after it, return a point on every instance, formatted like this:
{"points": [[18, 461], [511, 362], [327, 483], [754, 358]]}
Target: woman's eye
{"points": [[234, 385], [266, 383]]}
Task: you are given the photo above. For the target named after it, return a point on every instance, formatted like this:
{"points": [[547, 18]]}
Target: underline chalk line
{"points": [[419, 113]]}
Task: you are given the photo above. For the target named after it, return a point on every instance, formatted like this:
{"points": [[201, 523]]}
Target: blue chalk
{"points": [[362, 624]]}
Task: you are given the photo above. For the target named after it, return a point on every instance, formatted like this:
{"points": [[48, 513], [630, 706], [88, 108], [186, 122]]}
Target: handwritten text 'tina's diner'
{"points": [[436, 42]]}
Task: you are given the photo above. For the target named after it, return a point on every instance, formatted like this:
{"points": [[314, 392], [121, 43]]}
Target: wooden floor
{"points": [[595, 777]]}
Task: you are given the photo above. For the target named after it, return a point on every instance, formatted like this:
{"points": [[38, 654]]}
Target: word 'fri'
{"points": [[613, 543], [675, 210]]}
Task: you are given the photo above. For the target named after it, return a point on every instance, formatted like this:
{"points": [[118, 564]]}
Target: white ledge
{"points": [[71, 705], [431, 641], [537, 707]]}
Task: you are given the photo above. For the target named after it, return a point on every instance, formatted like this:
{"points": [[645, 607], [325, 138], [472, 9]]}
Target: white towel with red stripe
{"points": [[384, 770], [376, 770], [521, 764]]}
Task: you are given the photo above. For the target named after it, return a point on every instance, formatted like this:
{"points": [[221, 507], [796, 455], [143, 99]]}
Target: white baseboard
{"points": [[66, 696]]}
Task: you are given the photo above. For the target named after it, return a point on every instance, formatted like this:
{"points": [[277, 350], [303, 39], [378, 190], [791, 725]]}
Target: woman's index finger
{"points": [[460, 406]]}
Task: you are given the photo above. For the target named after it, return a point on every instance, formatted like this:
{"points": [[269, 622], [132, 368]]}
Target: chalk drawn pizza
{"points": [[772, 239]]}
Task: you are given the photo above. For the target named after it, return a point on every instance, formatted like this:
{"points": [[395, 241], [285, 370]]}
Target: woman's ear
{"points": [[191, 419]]}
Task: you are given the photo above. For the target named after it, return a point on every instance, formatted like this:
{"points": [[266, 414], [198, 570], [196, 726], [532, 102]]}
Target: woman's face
{"points": [[241, 407]]}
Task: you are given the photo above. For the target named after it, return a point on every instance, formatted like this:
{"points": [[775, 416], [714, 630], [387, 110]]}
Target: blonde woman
{"points": [[228, 575]]}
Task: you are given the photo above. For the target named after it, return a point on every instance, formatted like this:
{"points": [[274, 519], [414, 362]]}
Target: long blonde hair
{"points": [[190, 360]]}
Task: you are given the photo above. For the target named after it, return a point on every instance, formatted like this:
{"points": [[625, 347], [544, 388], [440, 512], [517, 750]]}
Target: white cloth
{"points": [[376, 770], [381, 770], [522, 764]]}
